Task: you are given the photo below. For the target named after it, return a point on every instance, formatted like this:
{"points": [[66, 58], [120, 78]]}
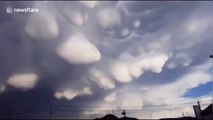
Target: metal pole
{"points": [[150, 116], [50, 113], [0, 90], [211, 56]]}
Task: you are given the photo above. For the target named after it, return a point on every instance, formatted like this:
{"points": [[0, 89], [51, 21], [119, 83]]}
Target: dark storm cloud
{"points": [[162, 36]]}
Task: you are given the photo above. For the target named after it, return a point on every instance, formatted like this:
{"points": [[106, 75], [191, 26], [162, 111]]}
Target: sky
{"points": [[83, 59]]}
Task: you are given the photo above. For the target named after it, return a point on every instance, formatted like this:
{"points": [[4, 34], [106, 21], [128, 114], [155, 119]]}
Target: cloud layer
{"points": [[103, 53]]}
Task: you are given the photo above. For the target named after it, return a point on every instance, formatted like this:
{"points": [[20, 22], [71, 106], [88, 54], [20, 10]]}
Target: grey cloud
{"points": [[162, 30]]}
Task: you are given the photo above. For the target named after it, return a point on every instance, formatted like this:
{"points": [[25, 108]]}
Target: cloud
{"points": [[125, 32], [74, 16], [125, 48], [136, 24], [89, 4], [160, 100], [42, 26], [78, 50], [173, 92], [184, 58], [132, 104], [134, 67], [108, 17], [110, 97], [120, 72], [197, 25], [104, 81], [70, 94], [23, 81]]}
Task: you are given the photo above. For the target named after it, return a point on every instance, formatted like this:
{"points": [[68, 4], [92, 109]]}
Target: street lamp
{"points": [[211, 56]]}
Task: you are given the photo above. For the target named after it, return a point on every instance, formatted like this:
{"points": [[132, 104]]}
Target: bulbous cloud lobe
{"points": [[78, 50]]}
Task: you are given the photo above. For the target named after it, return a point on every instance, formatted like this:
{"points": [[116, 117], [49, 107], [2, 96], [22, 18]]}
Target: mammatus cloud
{"points": [[125, 32], [104, 81], [75, 17], [172, 94], [128, 67], [78, 50], [42, 26], [69, 94], [23, 81], [196, 25], [137, 23], [108, 17], [89, 4], [120, 43]]}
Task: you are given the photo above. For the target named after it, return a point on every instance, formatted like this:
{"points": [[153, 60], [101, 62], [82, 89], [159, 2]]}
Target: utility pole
{"points": [[150, 116], [50, 113], [10, 114], [211, 56], [0, 89], [198, 102]]}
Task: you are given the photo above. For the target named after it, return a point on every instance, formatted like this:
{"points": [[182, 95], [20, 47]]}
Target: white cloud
{"points": [[98, 111], [89, 4], [136, 24], [197, 25], [171, 65], [184, 58], [104, 81], [23, 81], [173, 92], [69, 93], [58, 95], [132, 101], [110, 97], [170, 96], [42, 26], [75, 17], [78, 50], [134, 67], [108, 17], [120, 72], [163, 42], [86, 91]]}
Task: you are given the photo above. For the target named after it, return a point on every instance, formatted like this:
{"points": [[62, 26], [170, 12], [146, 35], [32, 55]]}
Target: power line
{"points": [[185, 104]]}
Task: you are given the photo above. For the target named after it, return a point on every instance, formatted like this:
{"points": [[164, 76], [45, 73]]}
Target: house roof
{"points": [[207, 110]]}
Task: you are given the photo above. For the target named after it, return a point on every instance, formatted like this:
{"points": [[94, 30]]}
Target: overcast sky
{"points": [[92, 57]]}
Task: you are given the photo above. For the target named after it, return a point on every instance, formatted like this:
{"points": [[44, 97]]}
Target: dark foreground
{"points": [[112, 117]]}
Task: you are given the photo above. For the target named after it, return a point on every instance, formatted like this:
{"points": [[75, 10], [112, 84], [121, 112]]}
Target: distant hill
{"points": [[112, 117]]}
